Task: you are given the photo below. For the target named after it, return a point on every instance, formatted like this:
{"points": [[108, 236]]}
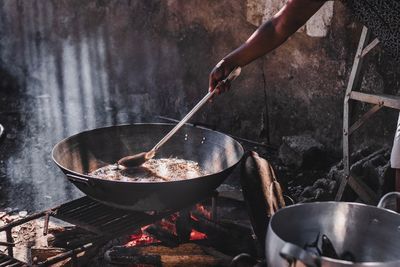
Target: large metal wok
{"points": [[82, 153]]}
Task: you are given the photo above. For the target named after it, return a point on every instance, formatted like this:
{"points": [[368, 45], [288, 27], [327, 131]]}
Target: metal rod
{"points": [[184, 120], [6, 244], [66, 255], [46, 224], [10, 240], [23, 220], [74, 260]]}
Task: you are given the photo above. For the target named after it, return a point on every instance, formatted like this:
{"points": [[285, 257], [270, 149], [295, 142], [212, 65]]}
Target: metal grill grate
{"points": [[104, 220], [6, 261]]}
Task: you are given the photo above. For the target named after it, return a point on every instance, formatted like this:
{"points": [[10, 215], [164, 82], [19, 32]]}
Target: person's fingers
{"points": [[217, 74], [223, 86], [211, 82], [227, 86]]}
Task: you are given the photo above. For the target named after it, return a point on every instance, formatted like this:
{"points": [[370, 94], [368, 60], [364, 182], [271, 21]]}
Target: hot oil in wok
{"points": [[154, 170]]}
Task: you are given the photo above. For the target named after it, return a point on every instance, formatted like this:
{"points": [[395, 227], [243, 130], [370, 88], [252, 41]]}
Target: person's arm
{"points": [[267, 37]]}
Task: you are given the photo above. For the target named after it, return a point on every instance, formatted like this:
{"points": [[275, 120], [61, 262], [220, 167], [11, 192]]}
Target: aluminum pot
{"points": [[369, 235]]}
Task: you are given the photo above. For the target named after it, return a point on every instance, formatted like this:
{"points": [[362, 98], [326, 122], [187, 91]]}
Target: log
{"points": [[42, 254], [183, 226], [131, 257], [165, 236], [217, 254], [68, 237], [243, 237], [77, 257], [212, 229], [183, 249], [190, 260], [187, 254], [226, 236]]}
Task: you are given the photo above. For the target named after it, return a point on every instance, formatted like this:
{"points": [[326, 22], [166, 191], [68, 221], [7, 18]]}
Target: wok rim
{"points": [[333, 260], [136, 182]]}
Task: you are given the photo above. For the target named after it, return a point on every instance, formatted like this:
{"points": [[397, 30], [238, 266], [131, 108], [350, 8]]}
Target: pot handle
{"points": [[382, 202], [78, 179], [292, 253]]}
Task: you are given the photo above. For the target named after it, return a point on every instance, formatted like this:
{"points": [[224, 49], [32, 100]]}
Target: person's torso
{"points": [[382, 17]]}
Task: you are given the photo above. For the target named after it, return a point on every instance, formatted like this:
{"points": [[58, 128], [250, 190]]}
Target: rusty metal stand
{"points": [[106, 223], [377, 100]]}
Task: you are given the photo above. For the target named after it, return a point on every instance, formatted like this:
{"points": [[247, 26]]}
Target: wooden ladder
{"points": [[378, 101]]}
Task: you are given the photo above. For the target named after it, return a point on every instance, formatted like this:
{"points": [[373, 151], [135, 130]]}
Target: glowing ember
{"points": [[195, 235], [203, 211], [169, 223], [141, 238]]}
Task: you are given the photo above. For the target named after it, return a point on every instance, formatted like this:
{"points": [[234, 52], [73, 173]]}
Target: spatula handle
{"points": [[235, 73]]}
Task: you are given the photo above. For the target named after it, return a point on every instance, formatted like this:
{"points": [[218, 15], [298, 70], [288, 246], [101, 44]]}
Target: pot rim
{"points": [[328, 259]]}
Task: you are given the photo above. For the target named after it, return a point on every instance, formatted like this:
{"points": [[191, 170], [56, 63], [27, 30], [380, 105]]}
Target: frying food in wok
{"points": [[81, 154], [154, 170]]}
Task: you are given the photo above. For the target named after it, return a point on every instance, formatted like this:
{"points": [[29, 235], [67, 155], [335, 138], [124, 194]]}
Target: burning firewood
{"points": [[225, 236], [166, 237]]}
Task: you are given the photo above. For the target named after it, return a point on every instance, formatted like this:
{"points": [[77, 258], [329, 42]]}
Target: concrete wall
{"points": [[70, 65], [142, 58]]}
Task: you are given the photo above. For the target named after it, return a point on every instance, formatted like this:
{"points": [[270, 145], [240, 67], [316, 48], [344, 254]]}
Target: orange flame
{"points": [[141, 238]]}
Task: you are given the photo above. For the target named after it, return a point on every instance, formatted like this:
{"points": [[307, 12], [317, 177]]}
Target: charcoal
{"points": [[302, 151]]}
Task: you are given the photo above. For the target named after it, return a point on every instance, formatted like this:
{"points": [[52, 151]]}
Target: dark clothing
{"points": [[382, 17]]}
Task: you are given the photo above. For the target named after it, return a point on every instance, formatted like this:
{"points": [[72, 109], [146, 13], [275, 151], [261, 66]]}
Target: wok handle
{"points": [[235, 73], [293, 253], [78, 179], [382, 202]]}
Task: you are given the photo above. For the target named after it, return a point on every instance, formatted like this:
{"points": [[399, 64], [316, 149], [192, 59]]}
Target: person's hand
{"points": [[217, 75]]}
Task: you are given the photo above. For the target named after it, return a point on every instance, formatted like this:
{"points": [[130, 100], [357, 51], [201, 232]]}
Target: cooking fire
{"points": [[142, 237]]}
